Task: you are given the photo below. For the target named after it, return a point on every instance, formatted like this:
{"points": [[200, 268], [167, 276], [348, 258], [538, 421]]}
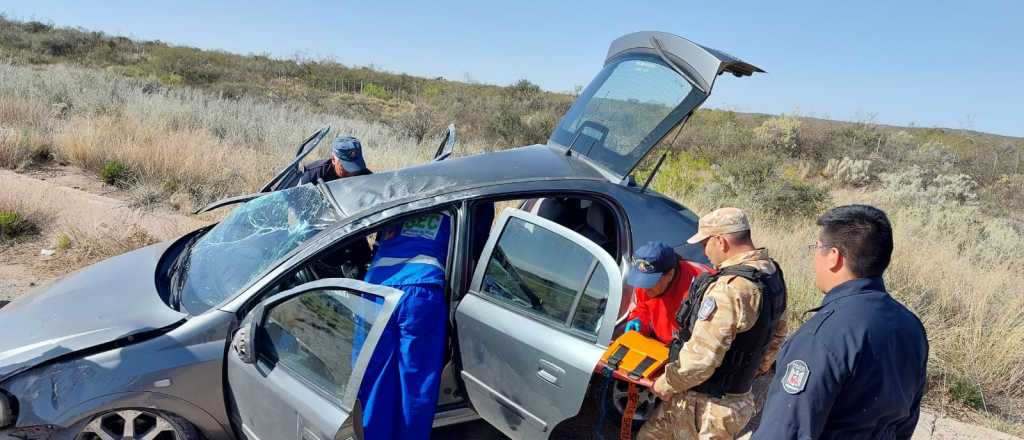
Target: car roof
{"points": [[532, 163]]}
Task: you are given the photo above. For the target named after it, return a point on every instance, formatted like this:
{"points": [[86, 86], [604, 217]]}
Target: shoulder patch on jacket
{"points": [[707, 307], [795, 379]]}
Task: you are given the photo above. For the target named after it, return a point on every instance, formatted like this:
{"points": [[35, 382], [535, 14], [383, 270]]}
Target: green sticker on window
{"points": [[424, 226]]}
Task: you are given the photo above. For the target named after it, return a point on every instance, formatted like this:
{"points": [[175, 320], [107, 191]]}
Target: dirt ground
{"points": [[71, 198]]}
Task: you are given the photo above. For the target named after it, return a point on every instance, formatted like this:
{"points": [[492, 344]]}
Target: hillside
{"points": [[176, 127]]}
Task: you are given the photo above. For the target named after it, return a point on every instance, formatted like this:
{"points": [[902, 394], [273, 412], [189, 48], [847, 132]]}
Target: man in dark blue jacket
{"points": [[346, 161], [856, 369]]}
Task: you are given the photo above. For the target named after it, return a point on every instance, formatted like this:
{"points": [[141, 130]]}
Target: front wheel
{"points": [[132, 424], [618, 396]]}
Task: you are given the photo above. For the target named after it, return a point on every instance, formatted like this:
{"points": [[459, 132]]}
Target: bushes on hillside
{"points": [[779, 134], [915, 185]]}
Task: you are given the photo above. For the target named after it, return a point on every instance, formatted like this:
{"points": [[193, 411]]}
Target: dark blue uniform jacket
{"points": [[855, 370], [322, 169]]}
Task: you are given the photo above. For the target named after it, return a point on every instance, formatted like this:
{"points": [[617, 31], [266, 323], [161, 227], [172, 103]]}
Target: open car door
{"points": [[286, 178], [651, 82], [539, 314], [290, 174], [447, 144], [295, 366]]}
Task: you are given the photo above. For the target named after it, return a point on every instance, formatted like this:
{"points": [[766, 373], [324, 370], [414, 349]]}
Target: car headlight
{"points": [[6, 410]]}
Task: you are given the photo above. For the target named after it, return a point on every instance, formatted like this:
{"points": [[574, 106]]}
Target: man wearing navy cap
{"points": [[346, 161], [661, 280]]}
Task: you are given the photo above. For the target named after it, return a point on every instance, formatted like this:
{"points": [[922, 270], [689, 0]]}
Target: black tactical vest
{"points": [[736, 374]]}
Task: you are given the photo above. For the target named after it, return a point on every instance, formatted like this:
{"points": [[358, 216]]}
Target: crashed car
{"points": [[147, 344]]}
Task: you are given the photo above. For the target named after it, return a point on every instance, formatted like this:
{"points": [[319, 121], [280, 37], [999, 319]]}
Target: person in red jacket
{"points": [[661, 280]]}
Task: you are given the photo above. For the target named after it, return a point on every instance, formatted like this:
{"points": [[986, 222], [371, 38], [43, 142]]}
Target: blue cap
{"points": [[649, 263], [349, 151]]}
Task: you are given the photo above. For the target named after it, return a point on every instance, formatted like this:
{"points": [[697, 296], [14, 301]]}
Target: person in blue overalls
{"points": [[400, 388]]}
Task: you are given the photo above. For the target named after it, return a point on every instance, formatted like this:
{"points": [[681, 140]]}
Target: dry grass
{"points": [[181, 139], [77, 247]]}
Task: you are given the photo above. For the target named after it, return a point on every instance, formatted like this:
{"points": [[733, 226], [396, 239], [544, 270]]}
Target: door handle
{"points": [[550, 372]]}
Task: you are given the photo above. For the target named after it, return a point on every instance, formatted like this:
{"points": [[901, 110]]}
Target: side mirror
{"points": [[244, 342]]}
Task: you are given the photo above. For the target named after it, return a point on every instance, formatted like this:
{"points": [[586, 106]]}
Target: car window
{"points": [[588, 313], [616, 118], [318, 335], [538, 271]]}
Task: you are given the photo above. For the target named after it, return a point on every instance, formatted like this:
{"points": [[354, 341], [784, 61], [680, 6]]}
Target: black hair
{"points": [[740, 237], [863, 236]]}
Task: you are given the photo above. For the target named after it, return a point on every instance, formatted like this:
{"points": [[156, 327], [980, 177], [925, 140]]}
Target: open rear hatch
{"points": [[651, 82]]}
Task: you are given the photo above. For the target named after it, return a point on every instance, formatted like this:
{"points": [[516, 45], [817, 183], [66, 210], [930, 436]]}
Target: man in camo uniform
{"points": [[731, 326]]}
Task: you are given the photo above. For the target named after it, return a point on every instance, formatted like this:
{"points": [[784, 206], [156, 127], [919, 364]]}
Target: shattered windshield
{"points": [[245, 244], [625, 110]]}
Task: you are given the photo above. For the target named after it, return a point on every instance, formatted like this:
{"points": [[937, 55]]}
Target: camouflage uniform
{"points": [[693, 415]]}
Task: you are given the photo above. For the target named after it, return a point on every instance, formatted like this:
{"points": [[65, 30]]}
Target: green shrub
{"points": [[507, 122], [35, 27], [965, 392], [115, 173], [790, 198], [63, 242], [129, 71], [779, 134], [375, 91], [680, 175], [13, 224], [171, 79]]}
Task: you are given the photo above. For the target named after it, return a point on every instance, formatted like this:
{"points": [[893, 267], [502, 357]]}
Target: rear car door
{"points": [[535, 323], [295, 365]]}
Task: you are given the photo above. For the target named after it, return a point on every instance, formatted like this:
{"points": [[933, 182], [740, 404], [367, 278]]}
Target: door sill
{"points": [[455, 417]]}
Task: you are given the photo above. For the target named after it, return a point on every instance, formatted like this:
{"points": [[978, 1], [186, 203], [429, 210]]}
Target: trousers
{"points": [[692, 415], [399, 390]]}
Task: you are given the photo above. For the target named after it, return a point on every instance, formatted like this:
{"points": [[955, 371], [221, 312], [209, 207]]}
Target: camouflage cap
{"points": [[718, 222]]}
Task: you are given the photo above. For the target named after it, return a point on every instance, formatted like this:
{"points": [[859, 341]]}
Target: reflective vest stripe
{"points": [[419, 259]]}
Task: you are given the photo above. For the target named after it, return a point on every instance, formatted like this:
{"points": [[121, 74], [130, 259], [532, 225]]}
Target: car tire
{"points": [[618, 393], [3, 303], [131, 423]]}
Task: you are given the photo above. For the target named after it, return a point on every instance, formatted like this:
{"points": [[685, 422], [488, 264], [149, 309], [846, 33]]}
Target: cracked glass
{"points": [[248, 242]]}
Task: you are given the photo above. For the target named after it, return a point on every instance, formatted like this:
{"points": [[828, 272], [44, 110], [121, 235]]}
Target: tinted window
{"points": [[537, 270], [629, 105], [318, 336]]}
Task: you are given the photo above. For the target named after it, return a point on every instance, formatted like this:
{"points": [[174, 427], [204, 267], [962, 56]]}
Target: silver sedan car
{"points": [[258, 327]]}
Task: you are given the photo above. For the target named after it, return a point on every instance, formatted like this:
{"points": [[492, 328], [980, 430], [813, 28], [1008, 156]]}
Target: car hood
{"points": [[102, 303]]}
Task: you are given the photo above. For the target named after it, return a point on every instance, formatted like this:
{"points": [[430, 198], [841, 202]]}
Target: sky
{"points": [[953, 64]]}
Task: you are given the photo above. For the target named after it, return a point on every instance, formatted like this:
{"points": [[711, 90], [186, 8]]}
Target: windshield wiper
{"points": [[180, 271], [320, 185]]}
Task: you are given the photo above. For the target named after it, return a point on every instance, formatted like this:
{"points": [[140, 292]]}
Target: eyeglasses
{"points": [[816, 246]]}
